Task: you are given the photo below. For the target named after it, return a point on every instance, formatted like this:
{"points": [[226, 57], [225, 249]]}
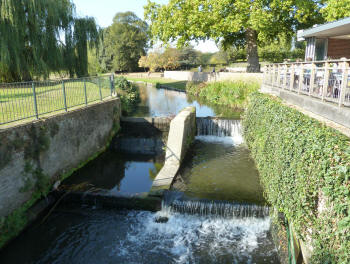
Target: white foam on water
{"points": [[234, 141], [185, 237]]}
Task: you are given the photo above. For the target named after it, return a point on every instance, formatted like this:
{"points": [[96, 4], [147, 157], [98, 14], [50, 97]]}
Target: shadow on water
{"points": [[123, 174]]}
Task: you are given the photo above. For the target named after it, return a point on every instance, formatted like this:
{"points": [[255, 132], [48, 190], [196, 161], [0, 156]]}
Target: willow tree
{"points": [[32, 42], [232, 22]]}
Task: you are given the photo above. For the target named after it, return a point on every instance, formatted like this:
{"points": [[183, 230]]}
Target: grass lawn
{"points": [[17, 100], [181, 85]]}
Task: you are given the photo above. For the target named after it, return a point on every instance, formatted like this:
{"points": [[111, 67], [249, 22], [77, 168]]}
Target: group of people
{"points": [[200, 69]]}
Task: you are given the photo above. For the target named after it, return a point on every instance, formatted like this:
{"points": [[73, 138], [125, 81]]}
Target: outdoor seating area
{"points": [[326, 80]]}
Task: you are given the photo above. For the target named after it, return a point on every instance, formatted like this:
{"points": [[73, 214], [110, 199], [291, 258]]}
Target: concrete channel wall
{"points": [[35, 154], [143, 135], [210, 77], [181, 135], [330, 111]]}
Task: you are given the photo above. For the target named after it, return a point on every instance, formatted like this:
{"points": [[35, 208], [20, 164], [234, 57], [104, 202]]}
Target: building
{"points": [[327, 41]]}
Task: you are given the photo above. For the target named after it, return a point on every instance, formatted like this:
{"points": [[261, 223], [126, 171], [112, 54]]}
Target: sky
{"points": [[104, 11]]}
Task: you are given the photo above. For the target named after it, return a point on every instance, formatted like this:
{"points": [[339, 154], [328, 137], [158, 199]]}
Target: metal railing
{"points": [[25, 100], [328, 81]]}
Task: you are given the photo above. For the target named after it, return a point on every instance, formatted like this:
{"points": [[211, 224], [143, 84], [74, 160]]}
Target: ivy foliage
{"points": [[305, 170]]}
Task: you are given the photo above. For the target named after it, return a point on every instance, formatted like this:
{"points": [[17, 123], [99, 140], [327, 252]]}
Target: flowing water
{"points": [[215, 213]]}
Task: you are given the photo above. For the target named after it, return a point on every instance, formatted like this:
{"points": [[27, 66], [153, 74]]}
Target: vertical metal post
{"points": [[64, 96], [111, 83], [279, 76], [99, 87], [343, 84], [325, 80], [35, 102], [85, 94]]}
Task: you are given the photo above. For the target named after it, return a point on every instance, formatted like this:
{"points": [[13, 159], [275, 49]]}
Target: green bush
{"points": [[230, 93], [128, 93], [303, 166]]}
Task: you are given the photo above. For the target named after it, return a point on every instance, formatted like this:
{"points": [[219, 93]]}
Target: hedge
{"points": [[304, 167]]}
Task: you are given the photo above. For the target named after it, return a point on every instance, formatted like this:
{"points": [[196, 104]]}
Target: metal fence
{"points": [[328, 81], [24, 100]]}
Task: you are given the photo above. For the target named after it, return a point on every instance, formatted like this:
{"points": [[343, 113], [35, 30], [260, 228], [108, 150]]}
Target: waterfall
{"points": [[219, 130], [219, 127], [173, 203]]}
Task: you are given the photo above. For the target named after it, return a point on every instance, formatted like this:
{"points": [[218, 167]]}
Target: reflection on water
{"points": [[119, 173], [217, 168], [162, 102]]}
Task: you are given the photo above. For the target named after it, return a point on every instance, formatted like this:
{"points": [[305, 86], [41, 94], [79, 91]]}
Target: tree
{"points": [[126, 41], [336, 9], [31, 42], [234, 22]]}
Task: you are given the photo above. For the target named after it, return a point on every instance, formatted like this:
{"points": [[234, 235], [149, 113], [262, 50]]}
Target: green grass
{"points": [[229, 93], [17, 100], [180, 85]]}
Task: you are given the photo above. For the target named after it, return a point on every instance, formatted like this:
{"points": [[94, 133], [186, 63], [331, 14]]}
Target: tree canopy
{"points": [[232, 22], [125, 41], [42, 36]]}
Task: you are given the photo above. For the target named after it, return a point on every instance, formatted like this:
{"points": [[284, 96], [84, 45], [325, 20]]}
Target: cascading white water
{"points": [[223, 130]]}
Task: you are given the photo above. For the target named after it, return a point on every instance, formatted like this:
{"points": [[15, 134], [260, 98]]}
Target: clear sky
{"points": [[104, 11]]}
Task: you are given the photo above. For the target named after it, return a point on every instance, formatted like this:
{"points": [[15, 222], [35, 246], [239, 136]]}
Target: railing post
{"points": [[292, 72], [301, 77], [64, 96], [343, 83], [312, 78], [273, 75], [111, 83], [285, 77], [85, 93], [35, 102], [279, 76], [99, 87], [325, 80]]}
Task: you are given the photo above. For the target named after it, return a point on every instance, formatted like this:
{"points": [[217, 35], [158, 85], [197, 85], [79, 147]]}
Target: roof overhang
{"points": [[332, 29]]}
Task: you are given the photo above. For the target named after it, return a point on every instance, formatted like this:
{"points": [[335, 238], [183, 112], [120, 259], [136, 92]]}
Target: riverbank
{"points": [[304, 169], [168, 83]]}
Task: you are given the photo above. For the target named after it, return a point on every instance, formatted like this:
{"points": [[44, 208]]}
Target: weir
{"points": [[219, 127]]}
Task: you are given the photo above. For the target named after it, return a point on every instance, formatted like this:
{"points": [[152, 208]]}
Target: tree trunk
{"points": [[252, 51]]}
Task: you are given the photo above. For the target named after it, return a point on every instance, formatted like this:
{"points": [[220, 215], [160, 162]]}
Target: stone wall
{"points": [[181, 135], [33, 155], [210, 77]]}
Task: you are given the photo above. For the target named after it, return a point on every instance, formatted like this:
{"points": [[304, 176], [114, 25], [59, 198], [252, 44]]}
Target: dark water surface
{"points": [[120, 173]]}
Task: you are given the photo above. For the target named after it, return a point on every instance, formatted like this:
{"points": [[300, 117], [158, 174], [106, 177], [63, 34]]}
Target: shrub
{"points": [[230, 93], [128, 93]]}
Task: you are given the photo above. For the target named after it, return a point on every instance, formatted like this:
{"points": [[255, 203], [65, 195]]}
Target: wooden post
{"points": [[343, 83], [312, 78], [292, 72], [301, 77], [325, 80]]}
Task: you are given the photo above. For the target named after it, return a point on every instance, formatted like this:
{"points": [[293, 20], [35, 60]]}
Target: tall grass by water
{"points": [[229, 93]]}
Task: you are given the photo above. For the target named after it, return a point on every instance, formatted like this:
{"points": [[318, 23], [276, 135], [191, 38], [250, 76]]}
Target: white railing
{"points": [[326, 80]]}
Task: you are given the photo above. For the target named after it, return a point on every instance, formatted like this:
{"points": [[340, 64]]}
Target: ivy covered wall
{"points": [[305, 170]]}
